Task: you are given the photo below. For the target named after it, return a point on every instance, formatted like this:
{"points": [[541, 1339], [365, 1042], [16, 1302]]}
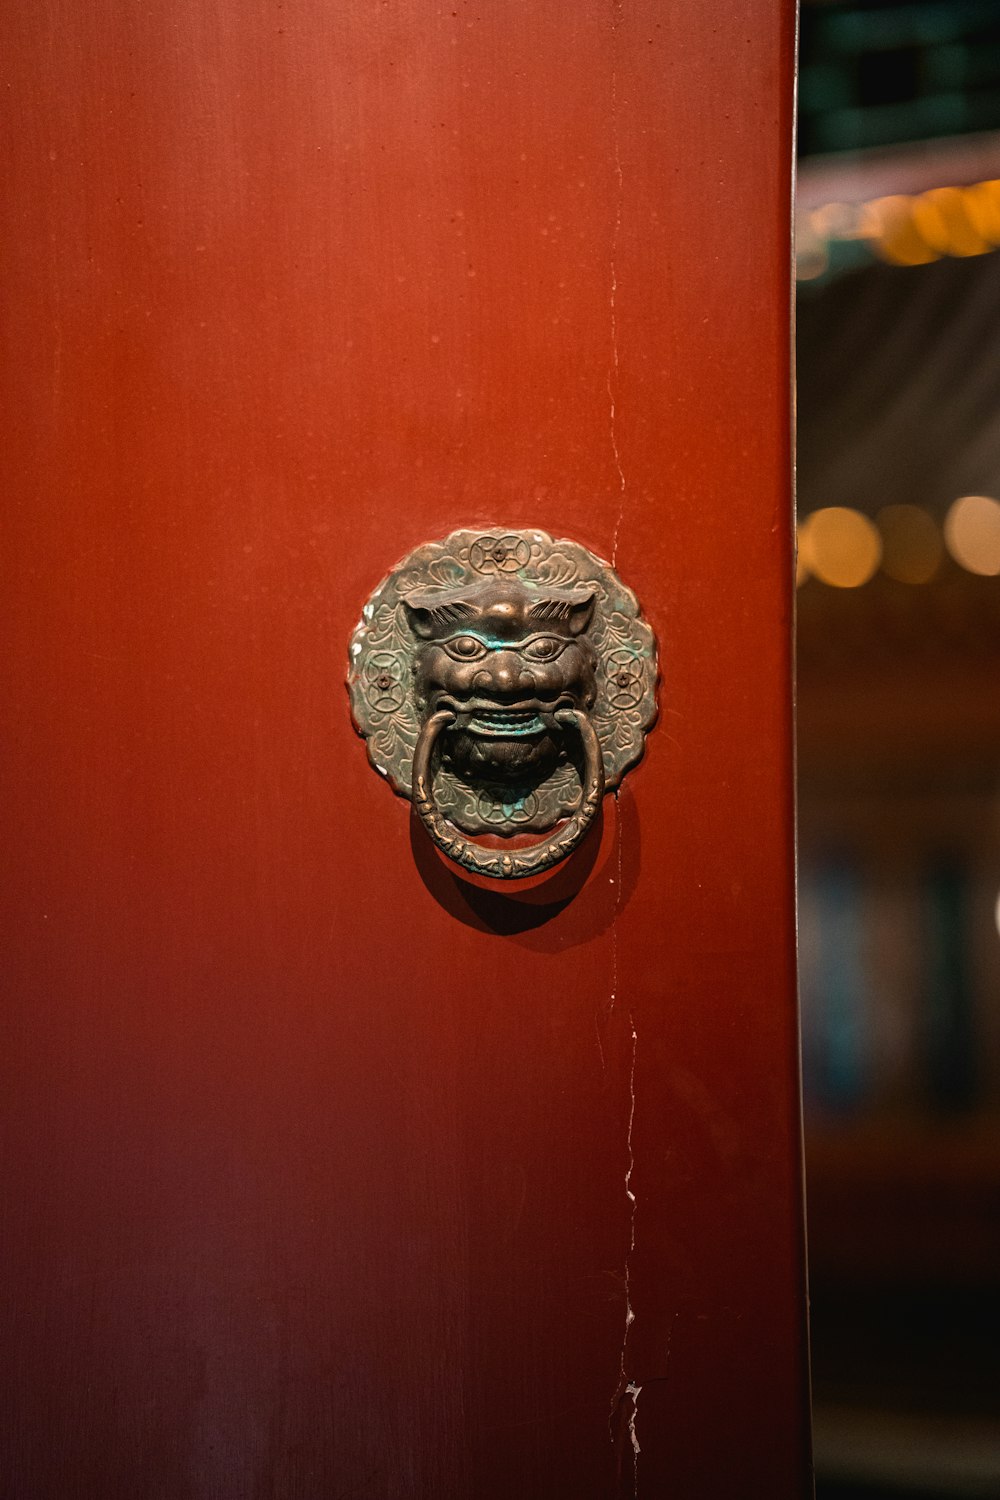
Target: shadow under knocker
{"points": [[599, 877]]}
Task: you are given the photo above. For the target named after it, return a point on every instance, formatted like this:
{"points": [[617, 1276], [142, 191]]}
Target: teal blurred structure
{"points": [[899, 732]]}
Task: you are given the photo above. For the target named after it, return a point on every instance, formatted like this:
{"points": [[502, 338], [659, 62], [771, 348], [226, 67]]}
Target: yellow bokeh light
{"points": [[972, 532], [842, 547], [982, 208], [907, 229], [802, 568], [941, 219], [887, 223], [911, 543], [803, 552]]}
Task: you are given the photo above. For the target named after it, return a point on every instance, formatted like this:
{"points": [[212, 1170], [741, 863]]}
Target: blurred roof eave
{"points": [[912, 167]]}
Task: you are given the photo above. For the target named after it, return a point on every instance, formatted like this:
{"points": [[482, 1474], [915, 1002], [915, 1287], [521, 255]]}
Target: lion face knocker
{"points": [[504, 659], [503, 682]]}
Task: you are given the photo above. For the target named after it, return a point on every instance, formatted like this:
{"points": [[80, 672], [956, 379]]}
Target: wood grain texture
{"points": [[316, 1160]]}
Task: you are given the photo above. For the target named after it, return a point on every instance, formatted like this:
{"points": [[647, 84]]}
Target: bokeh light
{"points": [[942, 220], [887, 223], [905, 229], [982, 207], [840, 546], [972, 533], [911, 543]]}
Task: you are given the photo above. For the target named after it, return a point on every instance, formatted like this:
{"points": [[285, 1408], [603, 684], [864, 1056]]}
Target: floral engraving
{"points": [[500, 805]]}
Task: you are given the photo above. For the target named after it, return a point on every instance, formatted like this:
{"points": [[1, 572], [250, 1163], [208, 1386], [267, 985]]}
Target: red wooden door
{"points": [[326, 1173]]}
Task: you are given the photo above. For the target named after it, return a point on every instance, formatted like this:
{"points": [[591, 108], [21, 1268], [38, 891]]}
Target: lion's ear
{"points": [[581, 612], [430, 614], [420, 620], [575, 610]]}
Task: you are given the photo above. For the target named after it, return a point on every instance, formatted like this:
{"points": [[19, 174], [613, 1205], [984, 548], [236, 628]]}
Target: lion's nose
{"points": [[504, 675]]}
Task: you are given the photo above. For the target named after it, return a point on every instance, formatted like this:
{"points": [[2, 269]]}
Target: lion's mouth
{"points": [[503, 723], [487, 719]]}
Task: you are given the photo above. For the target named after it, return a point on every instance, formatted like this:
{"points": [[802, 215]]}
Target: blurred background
{"points": [[898, 275]]}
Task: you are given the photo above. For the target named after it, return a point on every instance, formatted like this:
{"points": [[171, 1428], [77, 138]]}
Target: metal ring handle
{"points": [[517, 863]]}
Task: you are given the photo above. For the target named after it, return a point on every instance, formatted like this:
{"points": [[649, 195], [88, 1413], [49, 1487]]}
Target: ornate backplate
{"points": [[465, 593]]}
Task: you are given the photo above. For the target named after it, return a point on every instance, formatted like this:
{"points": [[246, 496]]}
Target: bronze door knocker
{"points": [[503, 683]]}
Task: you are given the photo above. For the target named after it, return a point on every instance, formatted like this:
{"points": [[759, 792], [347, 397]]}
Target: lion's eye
{"points": [[545, 648], [465, 648]]}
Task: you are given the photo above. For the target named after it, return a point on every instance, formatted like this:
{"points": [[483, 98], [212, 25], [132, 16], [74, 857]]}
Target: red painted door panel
{"points": [[326, 1173]]}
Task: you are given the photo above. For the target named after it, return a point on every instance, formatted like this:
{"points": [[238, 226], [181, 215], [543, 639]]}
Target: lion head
{"points": [[504, 658]]}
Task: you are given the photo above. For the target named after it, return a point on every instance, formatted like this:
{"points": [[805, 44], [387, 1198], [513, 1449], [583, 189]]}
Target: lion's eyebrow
{"points": [[553, 609], [450, 613]]}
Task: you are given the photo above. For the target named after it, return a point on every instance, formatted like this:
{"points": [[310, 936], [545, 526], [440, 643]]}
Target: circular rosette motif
{"points": [[500, 554], [437, 581], [624, 674], [384, 672]]}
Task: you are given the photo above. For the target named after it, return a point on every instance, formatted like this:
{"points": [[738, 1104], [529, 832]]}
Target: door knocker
{"points": [[503, 682]]}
